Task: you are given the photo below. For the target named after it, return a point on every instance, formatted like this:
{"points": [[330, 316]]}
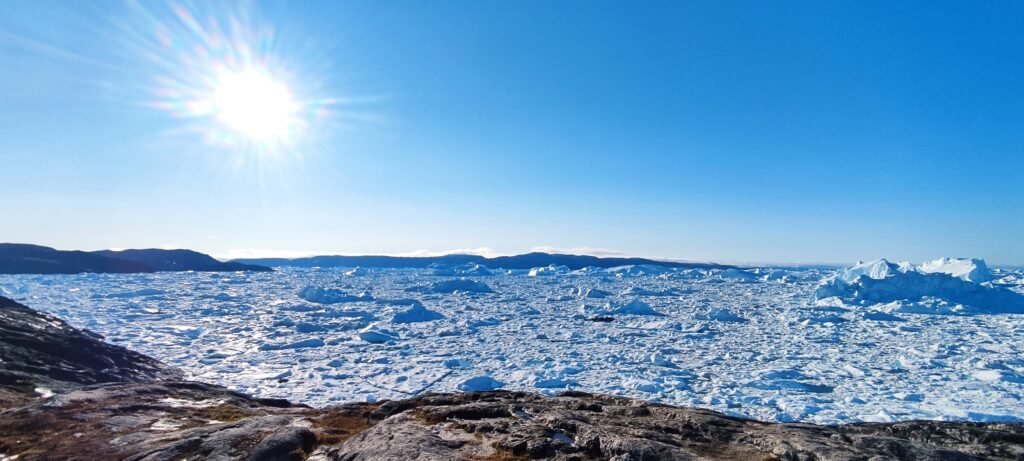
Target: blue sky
{"points": [[725, 131]]}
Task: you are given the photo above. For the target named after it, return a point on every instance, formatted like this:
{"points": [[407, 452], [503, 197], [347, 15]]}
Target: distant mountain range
{"points": [[18, 258], [524, 261]]}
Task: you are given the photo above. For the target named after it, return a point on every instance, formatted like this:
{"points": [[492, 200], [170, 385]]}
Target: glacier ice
{"points": [[373, 333], [967, 269], [470, 269], [315, 294], [480, 383], [633, 307], [942, 286], [461, 285], [416, 313], [313, 342], [762, 346], [639, 270], [737, 274], [547, 271]]}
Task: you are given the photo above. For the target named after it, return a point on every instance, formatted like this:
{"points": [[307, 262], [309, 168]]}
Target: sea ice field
{"points": [[877, 341]]}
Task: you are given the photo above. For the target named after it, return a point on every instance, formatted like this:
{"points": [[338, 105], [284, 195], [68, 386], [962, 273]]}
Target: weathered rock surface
{"points": [[41, 351], [577, 426], [111, 403]]}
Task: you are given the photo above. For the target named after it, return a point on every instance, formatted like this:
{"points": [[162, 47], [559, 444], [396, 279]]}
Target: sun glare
{"points": [[254, 105], [233, 79]]}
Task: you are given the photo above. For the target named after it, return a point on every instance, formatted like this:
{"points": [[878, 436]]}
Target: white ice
{"points": [[757, 346]]}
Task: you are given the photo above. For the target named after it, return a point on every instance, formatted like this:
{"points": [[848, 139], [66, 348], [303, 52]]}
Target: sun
{"points": [[254, 105], [241, 87]]}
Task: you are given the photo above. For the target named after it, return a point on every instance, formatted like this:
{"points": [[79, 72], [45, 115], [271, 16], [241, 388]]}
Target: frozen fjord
{"points": [[753, 343]]}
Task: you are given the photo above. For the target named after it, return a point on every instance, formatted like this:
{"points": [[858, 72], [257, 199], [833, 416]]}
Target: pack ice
{"points": [[782, 344]]}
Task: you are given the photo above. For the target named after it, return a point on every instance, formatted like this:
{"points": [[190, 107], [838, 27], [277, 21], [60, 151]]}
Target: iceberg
{"points": [[967, 269], [416, 313], [462, 285], [470, 269], [634, 307], [638, 270], [592, 293], [356, 271], [315, 342], [737, 274], [375, 334], [548, 271], [882, 282], [480, 383], [720, 315], [640, 291], [315, 294]]}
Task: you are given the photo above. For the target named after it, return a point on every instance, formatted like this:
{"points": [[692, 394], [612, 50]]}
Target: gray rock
{"points": [[576, 426]]}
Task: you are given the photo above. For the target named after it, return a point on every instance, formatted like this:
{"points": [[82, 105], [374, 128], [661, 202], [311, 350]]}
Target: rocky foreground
{"points": [[65, 395]]}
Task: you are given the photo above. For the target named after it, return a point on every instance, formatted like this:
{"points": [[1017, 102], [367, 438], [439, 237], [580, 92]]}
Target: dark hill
{"points": [[19, 258], [179, 260]]}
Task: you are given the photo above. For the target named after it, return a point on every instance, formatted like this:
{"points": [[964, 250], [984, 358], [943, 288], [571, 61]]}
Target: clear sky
{"points": [[728, 131]]}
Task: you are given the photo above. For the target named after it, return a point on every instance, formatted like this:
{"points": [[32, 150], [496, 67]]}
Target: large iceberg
{"points": [[462, 285], [941, 286], [416, 313], [548, 271], [638, 270], [634, 307], [480, 383], [971, 270], [315, 294], [470, 269], [737, 274]]}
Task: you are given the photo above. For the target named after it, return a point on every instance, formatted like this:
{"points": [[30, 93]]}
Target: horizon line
{"points": [[484, 252]]}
